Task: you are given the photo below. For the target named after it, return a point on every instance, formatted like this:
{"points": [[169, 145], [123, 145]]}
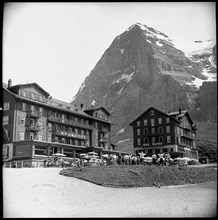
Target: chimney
{"points": [[9, 83], [81, 105], [180, 111]]}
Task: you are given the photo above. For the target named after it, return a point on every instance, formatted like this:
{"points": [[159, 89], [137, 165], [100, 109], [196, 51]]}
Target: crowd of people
{"points": [[109, 159]]}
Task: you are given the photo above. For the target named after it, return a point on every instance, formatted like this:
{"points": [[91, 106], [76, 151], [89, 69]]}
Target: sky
{"points": [[57, 45]]}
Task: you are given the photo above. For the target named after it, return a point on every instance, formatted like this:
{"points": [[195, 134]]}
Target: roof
{"points": [[57, 104], [94, 109], [149, 109], [29, 84], [183, 113]]}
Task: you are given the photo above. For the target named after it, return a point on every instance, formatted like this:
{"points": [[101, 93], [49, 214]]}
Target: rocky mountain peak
{"points": [[142, 68]]}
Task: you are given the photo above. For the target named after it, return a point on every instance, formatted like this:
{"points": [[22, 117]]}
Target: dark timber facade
{"points": [[157, 132]]}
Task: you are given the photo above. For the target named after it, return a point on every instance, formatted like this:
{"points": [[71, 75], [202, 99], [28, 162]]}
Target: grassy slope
{"points": [[141, 176], [207, 140]]}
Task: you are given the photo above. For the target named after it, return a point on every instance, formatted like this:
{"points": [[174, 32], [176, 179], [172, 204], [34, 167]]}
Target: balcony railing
{"points": [[104, 139], [70, 122], [153, 144], [34, 113], [189, 136], [35, 128], [70, 134]]}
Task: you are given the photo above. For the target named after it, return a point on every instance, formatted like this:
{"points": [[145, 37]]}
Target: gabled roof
{"points": [[94, 109], [29, 85], [181, 115], [152, 108]]}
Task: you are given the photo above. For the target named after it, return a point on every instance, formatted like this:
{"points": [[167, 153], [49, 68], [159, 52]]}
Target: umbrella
{"points": [[178, 158], [59, 155], [82, 154], [92, 153], [171, 159], [148, 159], [186, 158], [105, 155]]}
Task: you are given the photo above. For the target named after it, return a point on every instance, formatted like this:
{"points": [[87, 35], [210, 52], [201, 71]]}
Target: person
{"points": [[45, 163], [161, 159], [154, 158], [141, 155]]}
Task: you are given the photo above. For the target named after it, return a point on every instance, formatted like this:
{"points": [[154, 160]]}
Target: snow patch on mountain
{"points": [[198, 82], [122, 50], [120, 91], [126, 77], [120, 131], [82, 86], [159, 44], [123, 141]]}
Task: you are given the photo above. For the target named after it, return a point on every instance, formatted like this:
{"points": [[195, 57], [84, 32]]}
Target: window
{"points": [[138, 132], [161, 140], [31, 136], [152, 112], [146, 140], [159, 120], [70, 130], [6, 106], [152, 122], [24, 106], [40, 98], [56, 139], [138, 123], [167, 120], [145, 130], [82, 131], [153, 130], [153, 140], [165, 150], [76, 130], [168, 129], [168, 139], [31, 122], [76, 142], [22, 120], [82, 143], [63, 140], [6, 120], [40, 124], [138, 141], [171, 149], [160, 129], [49, 137], [145, 122], [21, 135], [157, 151], [40, 137], [149, 151]]}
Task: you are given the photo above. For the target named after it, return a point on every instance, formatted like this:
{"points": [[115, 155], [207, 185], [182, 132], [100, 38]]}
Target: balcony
{"points": [[189, 136], [70, 122], [34, 128], [34, 114], [69, 134], [104, 139]]}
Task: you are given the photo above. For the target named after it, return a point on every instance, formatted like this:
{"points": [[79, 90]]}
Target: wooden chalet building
{"points": [[38, 125], [156, 132]]}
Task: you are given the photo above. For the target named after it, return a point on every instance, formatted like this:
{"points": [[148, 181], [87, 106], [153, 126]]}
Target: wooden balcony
{"points": [[70, 122], [33, 128], [69, 134], [34, 114]]}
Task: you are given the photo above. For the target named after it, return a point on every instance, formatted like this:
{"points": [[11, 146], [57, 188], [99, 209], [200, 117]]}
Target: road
{"points": [[42, 192]]}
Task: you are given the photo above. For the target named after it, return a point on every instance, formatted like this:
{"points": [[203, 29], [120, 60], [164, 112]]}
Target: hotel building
{"points": [[157, 132], [37, 125]]}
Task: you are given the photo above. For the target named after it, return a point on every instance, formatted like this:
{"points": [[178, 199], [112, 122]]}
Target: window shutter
{"points": [[19, 120]]}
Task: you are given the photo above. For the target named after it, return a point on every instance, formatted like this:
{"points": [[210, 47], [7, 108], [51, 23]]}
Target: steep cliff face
{"points": [[141, 68]]}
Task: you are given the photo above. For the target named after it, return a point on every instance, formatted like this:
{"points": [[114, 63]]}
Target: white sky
{"points": [[57, 44]]}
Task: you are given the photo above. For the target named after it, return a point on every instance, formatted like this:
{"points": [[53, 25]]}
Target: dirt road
{"points": [[42, 192]]}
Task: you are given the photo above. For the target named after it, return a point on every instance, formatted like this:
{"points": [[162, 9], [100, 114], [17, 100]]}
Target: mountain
{"points": [[142, 68]]}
